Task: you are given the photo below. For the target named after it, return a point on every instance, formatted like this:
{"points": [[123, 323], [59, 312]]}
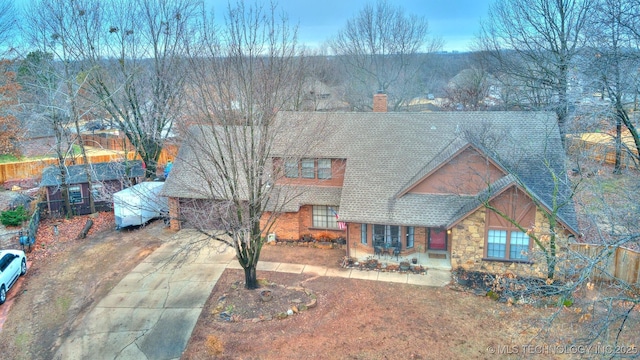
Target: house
{"points": [[418, 183], [39, 136], [107, 178]]}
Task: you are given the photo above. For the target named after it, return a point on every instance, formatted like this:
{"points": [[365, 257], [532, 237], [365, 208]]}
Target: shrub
{"points": [[325, 236], [14, 217]]}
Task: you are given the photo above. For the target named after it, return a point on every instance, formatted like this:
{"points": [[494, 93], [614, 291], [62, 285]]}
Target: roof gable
{"points": [[495, 190], [462, 170]]}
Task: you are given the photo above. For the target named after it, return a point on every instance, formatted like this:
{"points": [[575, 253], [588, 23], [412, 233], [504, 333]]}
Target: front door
{"points": [[437, 239]]}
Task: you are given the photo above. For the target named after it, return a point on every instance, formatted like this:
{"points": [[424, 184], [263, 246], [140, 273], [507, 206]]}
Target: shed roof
{"points": [[100, 172]]}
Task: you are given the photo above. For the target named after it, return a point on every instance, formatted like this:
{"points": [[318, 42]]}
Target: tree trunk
{"points": [[85, 230], [617, 168], [250, 278], [64, 186]]}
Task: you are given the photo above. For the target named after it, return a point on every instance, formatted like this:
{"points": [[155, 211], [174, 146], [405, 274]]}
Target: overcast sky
{"points": [[456, 21]]}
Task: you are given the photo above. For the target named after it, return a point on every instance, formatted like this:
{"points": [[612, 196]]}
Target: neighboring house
{"points": [[417, 182], [107, 178], [39, 137]]}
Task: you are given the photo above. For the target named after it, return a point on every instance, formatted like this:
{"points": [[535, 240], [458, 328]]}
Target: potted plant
{"points": [[414, 259], [404, 266]]}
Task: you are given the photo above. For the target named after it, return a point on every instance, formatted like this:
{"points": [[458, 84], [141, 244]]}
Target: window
{"points": [[363, 233], [505, 240], [410, 236], [325, 217], [324, 168], [75, 194], [519, 246], [497, 244], [5, 261], [308, 169], [378, 235], [501, 243], [388, 234], [291, 168]]}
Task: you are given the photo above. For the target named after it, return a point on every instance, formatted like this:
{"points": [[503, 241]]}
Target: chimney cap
{"points": [[380, 92]]}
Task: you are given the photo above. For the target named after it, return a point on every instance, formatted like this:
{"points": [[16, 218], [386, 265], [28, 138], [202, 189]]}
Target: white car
{"points": [[13, 264]]}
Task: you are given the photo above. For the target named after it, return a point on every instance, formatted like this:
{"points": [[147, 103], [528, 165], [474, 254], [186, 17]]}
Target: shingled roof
{"points": [[100, 172], [386, 152]]}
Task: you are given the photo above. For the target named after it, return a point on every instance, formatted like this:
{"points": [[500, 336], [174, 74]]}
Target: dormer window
{"points": [[291, 168], [308, 169], [324, 168]]}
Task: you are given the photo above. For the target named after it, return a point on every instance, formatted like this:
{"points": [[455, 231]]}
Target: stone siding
{"points": [[468, 248]]}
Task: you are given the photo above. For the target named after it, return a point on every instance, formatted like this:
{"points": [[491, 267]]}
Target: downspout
{"points": [[348, 245]]}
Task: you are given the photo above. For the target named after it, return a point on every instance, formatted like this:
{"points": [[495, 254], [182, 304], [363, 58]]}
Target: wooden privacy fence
{"points": [[601, 148], [121, 143], [107, 141], [622, 263], [33, 168]]}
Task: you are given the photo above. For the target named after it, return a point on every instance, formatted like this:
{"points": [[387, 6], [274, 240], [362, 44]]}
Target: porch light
{"points": [[449, 231]]}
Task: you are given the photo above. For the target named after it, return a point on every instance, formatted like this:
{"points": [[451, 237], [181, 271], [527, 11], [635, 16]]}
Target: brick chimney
{"points": [[380, 102]]}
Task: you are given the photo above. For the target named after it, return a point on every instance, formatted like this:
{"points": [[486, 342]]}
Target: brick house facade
{"points": [[418, 182]]}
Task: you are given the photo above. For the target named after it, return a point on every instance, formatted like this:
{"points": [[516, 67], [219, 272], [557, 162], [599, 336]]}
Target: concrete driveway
{"points": [[151, 313]]}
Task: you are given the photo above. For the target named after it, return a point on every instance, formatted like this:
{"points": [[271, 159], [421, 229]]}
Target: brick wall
{"points": [[292, 226], [380, 102], [420, 239], [174, 214], [286, 226]]}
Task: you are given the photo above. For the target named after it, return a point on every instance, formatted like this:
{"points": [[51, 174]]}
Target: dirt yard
{"points": [[359, 319]]}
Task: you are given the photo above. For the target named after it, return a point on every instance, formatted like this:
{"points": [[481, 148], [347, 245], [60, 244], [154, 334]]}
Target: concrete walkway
{"points": [[433, 277], [151, 313]]}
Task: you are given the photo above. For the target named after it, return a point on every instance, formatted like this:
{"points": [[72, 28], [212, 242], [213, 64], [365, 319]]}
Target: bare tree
{"points": [[241, 78], [535, 42], [379, 48], [612, 66], [44, 107], [468, 90], [133, 55], [539, 175], [58, 22], [7, 23]]}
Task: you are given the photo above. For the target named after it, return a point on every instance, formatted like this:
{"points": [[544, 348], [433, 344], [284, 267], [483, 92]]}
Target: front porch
{"points": [[431, 259], [393, 244]]}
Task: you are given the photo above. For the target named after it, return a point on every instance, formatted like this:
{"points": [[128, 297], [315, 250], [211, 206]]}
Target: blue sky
{"points": [[456, 21]]}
